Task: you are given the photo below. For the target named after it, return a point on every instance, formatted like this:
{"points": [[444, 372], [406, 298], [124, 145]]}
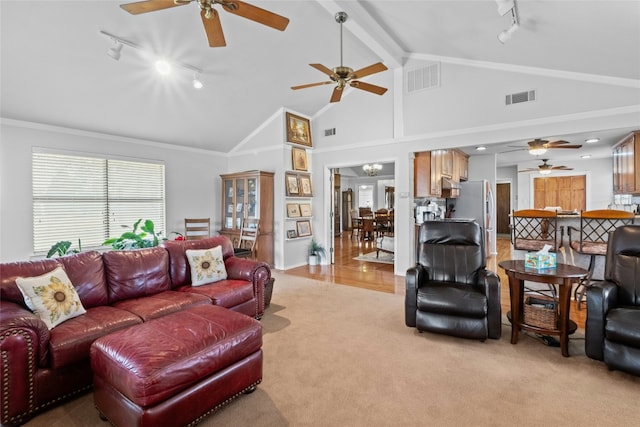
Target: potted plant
{"points": [[63, 248], [147, 237], [316, 252]]}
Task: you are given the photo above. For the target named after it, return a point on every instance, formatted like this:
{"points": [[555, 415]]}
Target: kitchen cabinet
{"points": [[626, 165], [422, 174], [436, 173], [447, 163], [460, 166], [249, 195], [567, 192]]}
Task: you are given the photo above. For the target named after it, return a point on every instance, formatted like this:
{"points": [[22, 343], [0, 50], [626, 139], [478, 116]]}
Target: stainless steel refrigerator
{"points": [[476, 202]]}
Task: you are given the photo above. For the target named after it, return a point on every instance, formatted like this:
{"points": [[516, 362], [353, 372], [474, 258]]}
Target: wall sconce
{"points": [[372, 170], [163, 66]]}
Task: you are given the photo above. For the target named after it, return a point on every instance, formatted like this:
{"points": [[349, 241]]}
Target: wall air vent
{"points": [[423, 78], [330, 132], [517, 98]]}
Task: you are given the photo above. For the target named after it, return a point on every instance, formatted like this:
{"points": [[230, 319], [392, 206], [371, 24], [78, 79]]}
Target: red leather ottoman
{"points": [[175, 370]]}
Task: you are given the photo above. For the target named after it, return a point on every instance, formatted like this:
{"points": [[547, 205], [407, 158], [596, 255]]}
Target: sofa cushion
{"points": [[226, 293], [179, 265], [11, 270], [207, 265], [452, 299], [161, 304], [70, 342], [86, 271], [136, 273], [51, 297]]}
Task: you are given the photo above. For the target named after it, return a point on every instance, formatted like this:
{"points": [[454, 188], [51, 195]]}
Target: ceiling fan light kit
{"points": [[545, 168], [345, 76]]}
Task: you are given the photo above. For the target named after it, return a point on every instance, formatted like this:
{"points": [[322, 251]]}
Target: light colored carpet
{"points": [[384, 258], [336, 355]]}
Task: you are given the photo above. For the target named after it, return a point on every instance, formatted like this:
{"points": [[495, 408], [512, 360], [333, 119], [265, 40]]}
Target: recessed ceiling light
{"points": [[591, 140], [481, 148], [163, 67], [585, 156]]}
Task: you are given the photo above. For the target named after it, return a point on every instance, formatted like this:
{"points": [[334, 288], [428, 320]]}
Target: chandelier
{"points": [[372, 170]]}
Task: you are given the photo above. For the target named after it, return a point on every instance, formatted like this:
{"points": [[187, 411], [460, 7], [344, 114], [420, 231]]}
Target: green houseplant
{"points": [[316, 252], [145, 237], [63, 248]]}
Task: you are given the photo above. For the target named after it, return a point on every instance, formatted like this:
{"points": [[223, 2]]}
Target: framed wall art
{"points": [[299, 159], [305, 185], [293, 210], [298, 130], [292, 234], [291, 184], [305, 209], [303, 228]]}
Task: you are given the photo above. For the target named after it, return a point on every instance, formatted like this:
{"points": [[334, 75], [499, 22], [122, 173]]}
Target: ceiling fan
{"points": [[545, 168], [210, 17], [344, 75], [540, 146]]}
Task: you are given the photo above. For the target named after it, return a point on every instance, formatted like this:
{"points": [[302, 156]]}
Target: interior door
{"points": [[503, 207]]}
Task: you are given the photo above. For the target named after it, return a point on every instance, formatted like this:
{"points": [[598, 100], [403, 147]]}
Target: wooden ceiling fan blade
{"points": [[561, 168], [367, 71], [149, 6], [213, 28], [378, 90], [311, 85], [556, 142], [324, 69], [528, 170], [337, 94], [564, 146], [256, 14]]}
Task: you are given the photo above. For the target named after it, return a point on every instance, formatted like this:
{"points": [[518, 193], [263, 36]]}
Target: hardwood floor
{"points": [[380, 277]]}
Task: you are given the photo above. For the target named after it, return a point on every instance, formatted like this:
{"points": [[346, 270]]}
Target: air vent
{"points": [[423, 78], [517, 98], [330, 132]]}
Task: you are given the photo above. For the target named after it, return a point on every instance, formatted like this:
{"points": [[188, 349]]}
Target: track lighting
{"points": [[197, 83], [114, 52], [163, 67], [504, 7]]}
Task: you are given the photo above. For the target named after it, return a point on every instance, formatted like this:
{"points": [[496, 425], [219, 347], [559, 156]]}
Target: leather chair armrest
{"points": [[601, 297], [414, 277], [491, 283], [17, 320]]}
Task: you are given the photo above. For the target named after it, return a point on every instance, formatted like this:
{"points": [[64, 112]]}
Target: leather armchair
{"points": [[450, 291], [613, 306]]}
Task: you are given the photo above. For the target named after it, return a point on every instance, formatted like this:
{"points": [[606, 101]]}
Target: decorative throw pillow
{"points": [[207, 265], [51, 297]]}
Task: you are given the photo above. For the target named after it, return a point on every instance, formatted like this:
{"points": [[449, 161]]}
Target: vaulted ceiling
{"points": [[55, 69]]}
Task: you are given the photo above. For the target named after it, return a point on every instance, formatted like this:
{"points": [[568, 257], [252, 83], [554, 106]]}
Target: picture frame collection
{"points": [[298, 180], [298, 184]]}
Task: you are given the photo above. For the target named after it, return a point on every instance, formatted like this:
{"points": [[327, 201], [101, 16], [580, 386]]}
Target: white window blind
{"points": [[91, 199]]}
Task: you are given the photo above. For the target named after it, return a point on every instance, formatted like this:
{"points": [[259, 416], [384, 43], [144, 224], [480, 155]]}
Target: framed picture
{"points": [[299, 157], [292, 234], [291, 183], [305, 185], [293, 210], [303, 228], [305, 209], [298, 130]]}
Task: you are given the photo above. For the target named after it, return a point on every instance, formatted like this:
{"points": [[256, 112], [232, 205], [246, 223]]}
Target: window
{"points": [[365, 196], [91, 198]]}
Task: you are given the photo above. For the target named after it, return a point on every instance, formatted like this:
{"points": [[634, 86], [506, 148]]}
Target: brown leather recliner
{"points": [[450, 291], [613, 306]]}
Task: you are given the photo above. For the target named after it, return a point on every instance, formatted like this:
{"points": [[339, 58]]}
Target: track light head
{"points": [[115, 51], [197, 83], [505, 35]]}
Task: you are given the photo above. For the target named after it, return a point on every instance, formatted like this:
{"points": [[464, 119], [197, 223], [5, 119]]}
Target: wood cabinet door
{"points": [[422, 174], [436, 173]]}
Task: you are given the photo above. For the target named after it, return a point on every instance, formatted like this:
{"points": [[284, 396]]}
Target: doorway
{"points": [[503, 208]]}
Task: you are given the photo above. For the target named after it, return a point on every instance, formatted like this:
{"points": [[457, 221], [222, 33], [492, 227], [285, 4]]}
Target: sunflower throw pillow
{"points": [[51, 297], [207, 265]]}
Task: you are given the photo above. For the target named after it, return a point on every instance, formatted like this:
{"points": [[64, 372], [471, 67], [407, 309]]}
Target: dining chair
{"points": [[197, 228], [356, 223], [592, 237], [248, 240]]}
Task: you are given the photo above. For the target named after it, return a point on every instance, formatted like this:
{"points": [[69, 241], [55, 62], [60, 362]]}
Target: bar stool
{"points": [[532, 229], [592, 238]]}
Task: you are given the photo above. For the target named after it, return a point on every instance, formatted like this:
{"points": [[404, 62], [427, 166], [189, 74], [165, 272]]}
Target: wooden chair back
{"points": [[197, 228], [595, 227], [531, 229], [249, 233]]}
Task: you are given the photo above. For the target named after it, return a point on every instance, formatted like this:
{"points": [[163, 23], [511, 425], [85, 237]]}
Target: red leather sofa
{"points": [[118, 289]]}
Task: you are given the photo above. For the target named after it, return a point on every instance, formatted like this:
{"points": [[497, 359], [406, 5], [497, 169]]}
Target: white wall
{"points": [[191, 177]]}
